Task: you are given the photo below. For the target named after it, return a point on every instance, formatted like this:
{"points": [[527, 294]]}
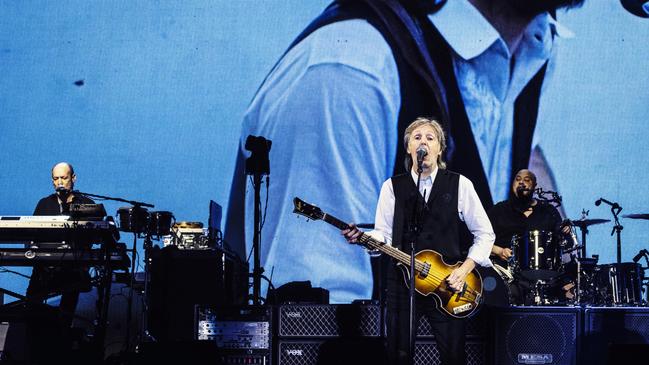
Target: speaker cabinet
{"points": [[536, 335], [614, 334], [332, 351], [313, 320]]}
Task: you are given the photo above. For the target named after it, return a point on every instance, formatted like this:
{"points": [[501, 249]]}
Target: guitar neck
{"points": [[374, 244]]}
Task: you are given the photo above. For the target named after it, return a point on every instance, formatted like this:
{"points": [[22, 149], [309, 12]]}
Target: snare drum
{"points": [[619, 284], [160, 223], [133, 219], [535, 255]]}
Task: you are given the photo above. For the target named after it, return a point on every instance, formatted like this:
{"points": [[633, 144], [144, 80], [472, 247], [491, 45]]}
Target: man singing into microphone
{"points": [[517, 216], [47, 281], [446, 204]]}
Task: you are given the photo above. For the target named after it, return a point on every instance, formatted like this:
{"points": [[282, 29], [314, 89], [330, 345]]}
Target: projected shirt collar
{"points": [[469, 34]]}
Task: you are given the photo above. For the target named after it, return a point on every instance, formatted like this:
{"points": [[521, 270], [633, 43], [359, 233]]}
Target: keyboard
{"points": [[30, 256], [56, 229]]}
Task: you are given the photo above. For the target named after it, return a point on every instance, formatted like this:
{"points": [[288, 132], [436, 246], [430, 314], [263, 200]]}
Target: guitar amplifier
{"points": [[537, 335], [340, 350], [612, 334], [324, 320], [243, 334]]}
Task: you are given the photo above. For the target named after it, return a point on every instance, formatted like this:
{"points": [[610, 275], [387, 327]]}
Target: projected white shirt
{"points": [[331, 107]]}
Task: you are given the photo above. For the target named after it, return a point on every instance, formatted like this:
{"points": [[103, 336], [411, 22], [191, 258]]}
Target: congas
{"points": [[133, 219], [535, 255], [160, 223]]}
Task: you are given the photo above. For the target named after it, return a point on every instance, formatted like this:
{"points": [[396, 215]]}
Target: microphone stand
{"points": [[103, 197], [617, 228], [148, 244], [415, 229]]}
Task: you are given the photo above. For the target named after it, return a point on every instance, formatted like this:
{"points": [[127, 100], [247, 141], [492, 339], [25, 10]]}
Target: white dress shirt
{"points": [[469, 210]]}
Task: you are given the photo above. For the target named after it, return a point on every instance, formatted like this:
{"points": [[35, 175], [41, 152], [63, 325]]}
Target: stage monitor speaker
{"points": [[536, 335], [316, 320], [612, 335]]}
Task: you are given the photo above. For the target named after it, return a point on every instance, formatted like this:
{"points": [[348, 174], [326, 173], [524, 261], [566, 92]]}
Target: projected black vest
{"points": [[429, 88]]}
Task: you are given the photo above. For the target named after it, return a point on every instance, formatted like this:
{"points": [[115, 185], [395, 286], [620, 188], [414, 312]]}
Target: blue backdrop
{"points": [[146, 98]]}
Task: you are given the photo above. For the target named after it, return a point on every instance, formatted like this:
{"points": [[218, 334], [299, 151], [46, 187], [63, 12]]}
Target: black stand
{"points": [[617, 228], [415, 229], [257, 270], [147, 246], [584, 232], [257, 165]]}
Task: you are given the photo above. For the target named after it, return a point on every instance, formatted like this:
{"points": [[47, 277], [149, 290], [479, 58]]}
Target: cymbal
{"points": [[582, 223], [636, 216], [365, 225]]}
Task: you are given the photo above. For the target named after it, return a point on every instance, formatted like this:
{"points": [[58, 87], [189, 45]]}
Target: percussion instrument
{"points": [[160, 223], [536, 257], [133, 219], [619, 284]]}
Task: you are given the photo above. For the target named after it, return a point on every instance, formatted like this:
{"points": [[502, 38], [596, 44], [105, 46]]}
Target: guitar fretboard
{"points": [[374, 244]]}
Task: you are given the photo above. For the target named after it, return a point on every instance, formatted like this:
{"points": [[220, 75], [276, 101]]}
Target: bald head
{"points": [[63, 176], [524, 183]]}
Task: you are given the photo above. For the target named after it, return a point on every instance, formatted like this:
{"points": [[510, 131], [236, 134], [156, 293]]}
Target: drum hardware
{"points": [[583, 225], [617, 228], [548, 196]]}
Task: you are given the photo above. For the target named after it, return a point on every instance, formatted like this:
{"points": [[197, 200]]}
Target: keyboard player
{"points": [[68, 281]]}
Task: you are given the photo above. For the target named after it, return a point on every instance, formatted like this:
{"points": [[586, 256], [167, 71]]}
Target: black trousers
{"points": [[449, 332]]}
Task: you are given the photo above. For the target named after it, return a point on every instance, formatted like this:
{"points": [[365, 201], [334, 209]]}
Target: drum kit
{"points": [[552, 270]]}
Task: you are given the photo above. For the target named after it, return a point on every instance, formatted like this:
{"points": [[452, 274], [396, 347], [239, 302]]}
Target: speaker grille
{"points": [[605, 328], [526, 335], [630, 325], [427, 353], [322, 320]]}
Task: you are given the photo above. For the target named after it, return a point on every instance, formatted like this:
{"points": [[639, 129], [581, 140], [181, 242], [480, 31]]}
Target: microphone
{"points": [[637, 257], [421, 153], [61, 189], [599, 201]]}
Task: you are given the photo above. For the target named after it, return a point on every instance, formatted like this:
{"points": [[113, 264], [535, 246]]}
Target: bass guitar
{"points": [[430, 267]]}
